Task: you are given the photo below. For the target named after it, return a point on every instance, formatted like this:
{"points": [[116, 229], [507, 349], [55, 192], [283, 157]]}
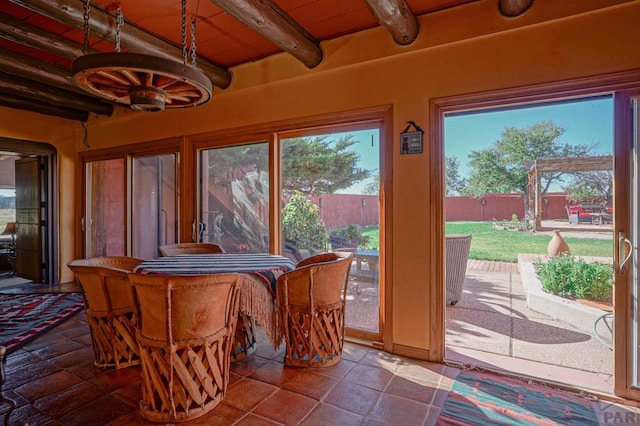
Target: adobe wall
{"points": [[461, 50]]}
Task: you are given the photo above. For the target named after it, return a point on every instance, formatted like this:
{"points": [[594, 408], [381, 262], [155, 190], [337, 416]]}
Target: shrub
{"points": [[350, 236], [572, 277], [301, 224]]}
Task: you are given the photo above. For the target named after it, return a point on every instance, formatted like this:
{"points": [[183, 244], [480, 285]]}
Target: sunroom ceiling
{"points": [[39, 39]]}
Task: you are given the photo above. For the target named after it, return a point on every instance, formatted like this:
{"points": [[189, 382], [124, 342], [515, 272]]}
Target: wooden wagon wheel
{"points": [[513, 8], [144, 82]]}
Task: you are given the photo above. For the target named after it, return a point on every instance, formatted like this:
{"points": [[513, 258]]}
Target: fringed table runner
{"points": [[258, 282]]}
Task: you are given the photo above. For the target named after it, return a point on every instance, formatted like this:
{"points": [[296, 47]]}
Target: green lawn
{"points": [[504, 245]]}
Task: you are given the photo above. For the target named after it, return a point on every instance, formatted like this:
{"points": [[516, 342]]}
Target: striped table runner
{"points": [[264, 265]]}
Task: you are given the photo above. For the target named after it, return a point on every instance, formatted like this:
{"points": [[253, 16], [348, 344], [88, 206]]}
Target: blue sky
{"points": [[585, 122]]}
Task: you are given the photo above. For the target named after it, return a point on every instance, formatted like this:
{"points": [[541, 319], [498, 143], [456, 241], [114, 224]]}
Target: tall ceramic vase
{"points": [[557, 245]]}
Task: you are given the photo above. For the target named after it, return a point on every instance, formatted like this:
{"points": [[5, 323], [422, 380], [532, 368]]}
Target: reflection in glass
{"points": [[104, 220], [234, 198], [154, 219]]}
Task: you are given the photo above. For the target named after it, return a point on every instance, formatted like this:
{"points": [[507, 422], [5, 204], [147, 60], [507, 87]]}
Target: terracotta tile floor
{"points": [[54, 382]]}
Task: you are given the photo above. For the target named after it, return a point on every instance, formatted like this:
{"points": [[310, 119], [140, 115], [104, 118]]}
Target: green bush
{"points": [[572, 277], [302, 226], [350, 236]]}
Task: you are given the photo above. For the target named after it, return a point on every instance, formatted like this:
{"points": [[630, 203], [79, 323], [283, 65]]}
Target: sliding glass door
{"points": [[627, 231], [330, 196]]}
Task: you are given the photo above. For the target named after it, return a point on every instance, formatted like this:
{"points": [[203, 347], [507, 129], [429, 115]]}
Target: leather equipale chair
{"points": [[311, 302], [245, 342], [110, 309], [189, 248], [185, 335]]}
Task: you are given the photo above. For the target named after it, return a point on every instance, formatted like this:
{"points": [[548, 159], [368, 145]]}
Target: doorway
{"points": [[504, 317], [27, 212]]}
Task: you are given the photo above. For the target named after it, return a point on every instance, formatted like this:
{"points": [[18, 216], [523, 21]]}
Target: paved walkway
{"points": [[493, 324], [487, 265]]}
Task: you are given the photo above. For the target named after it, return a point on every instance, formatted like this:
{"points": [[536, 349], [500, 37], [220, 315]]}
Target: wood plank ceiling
{"points": [[39, 39]]}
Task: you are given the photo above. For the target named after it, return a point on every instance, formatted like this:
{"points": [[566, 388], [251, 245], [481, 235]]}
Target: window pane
{"points": [[330, 187], [154, 218], [104, 218], [234, 198]]}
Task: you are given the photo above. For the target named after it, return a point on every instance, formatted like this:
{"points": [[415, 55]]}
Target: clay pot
{"points": [[557, 245]]}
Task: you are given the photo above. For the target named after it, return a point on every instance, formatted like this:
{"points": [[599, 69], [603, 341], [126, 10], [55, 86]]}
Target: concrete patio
{"points": [[492, 326]]}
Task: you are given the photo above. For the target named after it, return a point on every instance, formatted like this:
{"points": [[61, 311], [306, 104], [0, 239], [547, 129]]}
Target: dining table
{"points": [[258, 273]]}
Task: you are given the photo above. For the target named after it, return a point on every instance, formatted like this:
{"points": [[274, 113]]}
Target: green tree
{"points": [[301, 224], [454, 184], [318, 165], [504, 167], [590, 187]]}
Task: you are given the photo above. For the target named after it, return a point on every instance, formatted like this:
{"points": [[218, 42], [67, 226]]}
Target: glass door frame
{"points": [[273, 132], [625, 331], [613, 84], [376, 337], [127, 153]]}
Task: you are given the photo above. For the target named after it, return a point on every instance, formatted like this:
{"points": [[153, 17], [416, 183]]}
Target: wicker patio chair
{"points": [[185, 334], [110, 309], [311, 301], [189, 248], [457, 256]]}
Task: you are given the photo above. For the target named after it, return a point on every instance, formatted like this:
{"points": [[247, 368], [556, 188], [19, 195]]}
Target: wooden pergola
{"points": [[564, 164]]}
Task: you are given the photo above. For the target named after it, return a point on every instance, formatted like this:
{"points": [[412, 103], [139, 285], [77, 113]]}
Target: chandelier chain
{"points": [[87, 8], [184, 31], [193, 41], [119, 22]]}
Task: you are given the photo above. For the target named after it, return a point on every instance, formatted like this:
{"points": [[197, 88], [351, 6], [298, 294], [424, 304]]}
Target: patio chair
{"points": [[185, 335], [457, 256], [189, 248], [311, 301], [110, 309], [577, 214]]}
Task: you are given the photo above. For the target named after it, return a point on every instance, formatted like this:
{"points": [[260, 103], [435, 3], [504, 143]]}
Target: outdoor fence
{"points": [[341, 210]]}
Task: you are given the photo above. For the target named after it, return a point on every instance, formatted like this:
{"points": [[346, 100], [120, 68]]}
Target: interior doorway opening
{"points": [[27, 212], [497, 322]]}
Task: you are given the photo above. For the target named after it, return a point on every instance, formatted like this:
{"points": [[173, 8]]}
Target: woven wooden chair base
{"points": [[114, 341], [313, 343], [244, 342], [186, 384]]}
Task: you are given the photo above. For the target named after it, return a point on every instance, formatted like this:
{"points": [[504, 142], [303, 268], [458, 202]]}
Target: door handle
{"points": [[197, 228], [624, 243]]}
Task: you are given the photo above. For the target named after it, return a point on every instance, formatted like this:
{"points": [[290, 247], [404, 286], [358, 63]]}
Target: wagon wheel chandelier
{"points": [[144, 82]]}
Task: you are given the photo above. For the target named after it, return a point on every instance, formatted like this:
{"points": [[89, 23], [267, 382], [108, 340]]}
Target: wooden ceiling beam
{"points": [[396, 17], [37, 92], [268, 19], [15, 102], [573, 164], [133, 39], [32, 69], [29, 35]]}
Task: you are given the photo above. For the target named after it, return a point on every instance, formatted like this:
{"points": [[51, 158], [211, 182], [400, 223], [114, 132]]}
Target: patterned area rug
{"points": [[25, 316], [479, 398]]}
